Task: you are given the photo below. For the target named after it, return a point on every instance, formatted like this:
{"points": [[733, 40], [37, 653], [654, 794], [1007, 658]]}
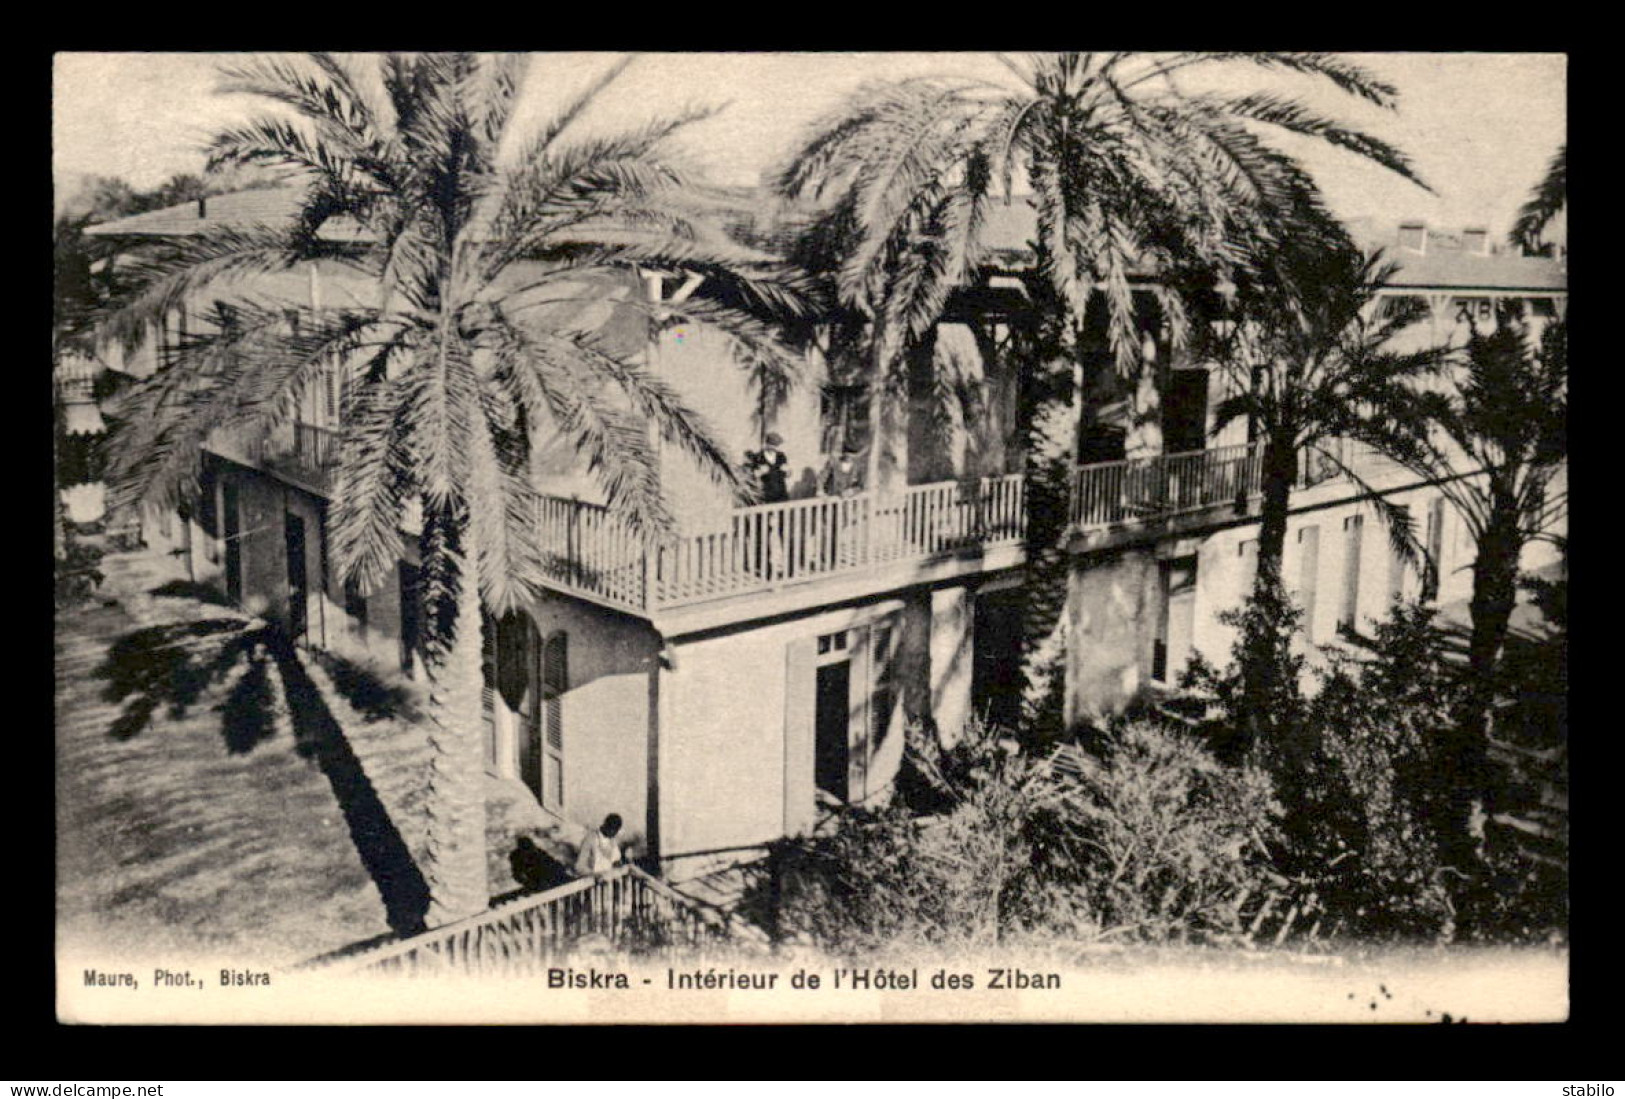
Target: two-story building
{"points": [[714, 687]]}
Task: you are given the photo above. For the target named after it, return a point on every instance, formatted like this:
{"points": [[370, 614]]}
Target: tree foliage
{"points": [[478, 249], [1154, 840]]}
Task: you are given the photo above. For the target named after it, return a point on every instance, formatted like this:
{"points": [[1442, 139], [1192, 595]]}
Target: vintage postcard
{"points": [[810, 537]]}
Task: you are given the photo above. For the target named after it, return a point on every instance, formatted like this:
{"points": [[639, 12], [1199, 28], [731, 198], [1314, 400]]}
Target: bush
{"points": [[1155, 840], [1357, 763], [1175, 840], [1371, 799], [76, 573], [1240, 725], [978, 873]]}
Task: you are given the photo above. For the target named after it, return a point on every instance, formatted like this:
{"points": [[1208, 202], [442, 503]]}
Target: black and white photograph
{"points": [[810, 537]]}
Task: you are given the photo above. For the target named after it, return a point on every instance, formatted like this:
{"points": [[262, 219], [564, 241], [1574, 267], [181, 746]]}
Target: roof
{"points": [[240, 209], [1007, 230], [280, 205], [1446, 262]]}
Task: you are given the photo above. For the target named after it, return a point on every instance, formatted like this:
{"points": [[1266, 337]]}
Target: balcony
{"points": [[302, 453], [1136, 492], [852, 544]]}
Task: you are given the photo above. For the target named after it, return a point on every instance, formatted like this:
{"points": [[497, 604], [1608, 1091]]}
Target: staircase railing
{"points": [[627, 907]]}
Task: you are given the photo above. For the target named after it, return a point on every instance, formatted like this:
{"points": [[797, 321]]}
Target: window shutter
{"points": [[1436, 544], [555, 681], [1349, 617], [800, 798], [885, 690], [1396, 567], [1308, 576]]}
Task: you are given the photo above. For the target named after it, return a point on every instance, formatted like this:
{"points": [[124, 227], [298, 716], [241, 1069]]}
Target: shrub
{"points": [[1262, 664], [1154, 840], [1371, 798], [1356, 763], [1175, 839], [982, 870], [76, 573]]}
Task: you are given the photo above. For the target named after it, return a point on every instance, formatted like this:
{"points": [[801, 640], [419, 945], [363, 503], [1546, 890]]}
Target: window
{"points": [[832, 642], [1435, 544], [845, 418], [1396, 564], [1348, 617], [1308, 576]]}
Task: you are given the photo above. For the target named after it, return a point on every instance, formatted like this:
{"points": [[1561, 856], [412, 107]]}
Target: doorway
{"points": [[298, 576], [231, 530], [1177, 626], [519, 681], [1184, 412], [996, 658], [832, 743]]}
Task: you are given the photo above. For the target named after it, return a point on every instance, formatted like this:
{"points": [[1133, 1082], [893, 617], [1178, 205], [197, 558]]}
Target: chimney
{"points": [[1476, 241], [1413, 236], [202, 207]]}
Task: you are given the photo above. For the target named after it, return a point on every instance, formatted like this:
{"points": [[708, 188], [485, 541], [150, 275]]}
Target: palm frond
{"points": [[1549, 197]]}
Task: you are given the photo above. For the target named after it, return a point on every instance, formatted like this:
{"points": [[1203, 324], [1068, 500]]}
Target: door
{"points": [[231, 529], [411, 612], [1184, 412], [832, 745], [996, 658], [1181, 615], [519, 668], [298, 575]]}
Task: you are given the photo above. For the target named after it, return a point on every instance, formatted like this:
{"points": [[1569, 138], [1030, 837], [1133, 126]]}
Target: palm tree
{"points": [[1310, 365], [1505, 412], [1550, 196], [1127, 173], [473, 237]]}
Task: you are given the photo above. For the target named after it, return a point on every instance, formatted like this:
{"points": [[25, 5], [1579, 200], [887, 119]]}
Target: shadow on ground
{"points": [[174, 665], [191, 589], [371, 696], [534, 869]]}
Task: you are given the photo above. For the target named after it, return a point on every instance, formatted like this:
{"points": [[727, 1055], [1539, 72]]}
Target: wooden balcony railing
{"points": [[1140, 489], [773, 544], [628, 907], [591, 550], [315, 447]]}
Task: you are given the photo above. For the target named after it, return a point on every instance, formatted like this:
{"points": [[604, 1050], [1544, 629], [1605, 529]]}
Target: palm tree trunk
{"points": [[454, 864], [1265, 643], [1495, 593], [1052, 394], [888, 430], [1280, 470], [1050, 446]]}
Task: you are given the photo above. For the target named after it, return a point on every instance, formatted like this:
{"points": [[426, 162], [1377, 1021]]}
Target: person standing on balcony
{"points": [[843, 476], [842, 479], [599, 852], [771, 469]]}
